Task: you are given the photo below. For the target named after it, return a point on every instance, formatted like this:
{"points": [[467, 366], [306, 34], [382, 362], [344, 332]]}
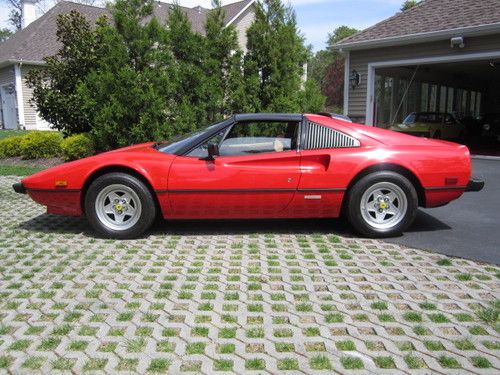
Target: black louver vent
{"points": [[318, 136]]}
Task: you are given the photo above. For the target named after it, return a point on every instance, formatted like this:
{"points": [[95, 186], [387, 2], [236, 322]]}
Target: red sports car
{"points": [[254, 166]]}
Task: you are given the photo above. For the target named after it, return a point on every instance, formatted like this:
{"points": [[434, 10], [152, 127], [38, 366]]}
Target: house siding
{"points": [[6, 77], [242, 24], [30, 122], [359, 61]]}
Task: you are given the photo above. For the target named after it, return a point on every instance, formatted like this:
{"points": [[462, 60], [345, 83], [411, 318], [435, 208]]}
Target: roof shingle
{"points": [[38, 39], [431, 16]]}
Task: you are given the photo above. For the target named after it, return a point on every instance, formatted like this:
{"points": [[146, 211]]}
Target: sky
{"points": [[316, 18]]}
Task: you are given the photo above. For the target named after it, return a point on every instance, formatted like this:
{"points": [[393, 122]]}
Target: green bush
{"points": [[41, 144], [11, 147], [77, 146]]}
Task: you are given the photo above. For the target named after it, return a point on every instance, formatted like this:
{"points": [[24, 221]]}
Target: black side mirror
{"points": [[213, 151]]}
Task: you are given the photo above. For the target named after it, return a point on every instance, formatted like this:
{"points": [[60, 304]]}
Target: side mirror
{"points": [[213, 151]]}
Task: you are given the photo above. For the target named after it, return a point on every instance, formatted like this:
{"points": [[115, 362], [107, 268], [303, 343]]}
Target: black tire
{"points": [[363, 220], [143, 217]]}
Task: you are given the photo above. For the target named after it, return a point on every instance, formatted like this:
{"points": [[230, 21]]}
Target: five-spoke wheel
{"points": [[119, 205], [382, 204]]}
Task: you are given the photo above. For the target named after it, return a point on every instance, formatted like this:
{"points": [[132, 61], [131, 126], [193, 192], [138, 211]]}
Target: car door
{"points": [[326, 163], [255, 176]]}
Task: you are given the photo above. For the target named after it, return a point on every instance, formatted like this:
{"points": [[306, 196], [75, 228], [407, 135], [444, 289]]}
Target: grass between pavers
{"points": [[241, 293], [17, 170]]}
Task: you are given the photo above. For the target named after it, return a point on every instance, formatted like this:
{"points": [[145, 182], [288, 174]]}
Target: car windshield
{"points": [[410, 119], [179, 142]]}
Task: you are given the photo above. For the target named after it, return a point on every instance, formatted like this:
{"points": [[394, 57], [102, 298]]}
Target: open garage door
{"points": [[458, 101]]}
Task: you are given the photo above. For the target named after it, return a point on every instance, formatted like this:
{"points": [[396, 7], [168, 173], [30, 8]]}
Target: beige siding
{"points": [[242, 24], [6, 77], [29, 109], [360, 59]]}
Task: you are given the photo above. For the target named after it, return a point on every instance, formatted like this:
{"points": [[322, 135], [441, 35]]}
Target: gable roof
{"points": [[39, 40], [429, 20]]}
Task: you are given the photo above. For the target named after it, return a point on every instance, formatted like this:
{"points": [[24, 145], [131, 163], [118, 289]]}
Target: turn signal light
{"points": [[61, 184]]}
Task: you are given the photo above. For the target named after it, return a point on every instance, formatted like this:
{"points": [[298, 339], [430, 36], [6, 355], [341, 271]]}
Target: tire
{"points": [[393, 194], [119, 206]]}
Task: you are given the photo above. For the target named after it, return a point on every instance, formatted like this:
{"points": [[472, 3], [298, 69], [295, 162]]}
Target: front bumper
{"points": [[475, 184], [19, 188]]}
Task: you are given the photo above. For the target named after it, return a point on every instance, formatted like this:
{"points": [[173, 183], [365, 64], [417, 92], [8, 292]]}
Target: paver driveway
{"points": [[261, 303]]}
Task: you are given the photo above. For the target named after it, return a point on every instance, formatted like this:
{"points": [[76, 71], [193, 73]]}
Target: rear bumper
{"points": [[475, 184], [19, 188]]}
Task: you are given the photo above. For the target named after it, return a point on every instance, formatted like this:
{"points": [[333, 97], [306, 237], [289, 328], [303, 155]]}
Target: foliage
{"points": [[408, 4], [55, 87], [40, 144], [15, 13], [274, 65], [77, 146], [4, 34], [10, 147], [326, 68], [132, 80]]}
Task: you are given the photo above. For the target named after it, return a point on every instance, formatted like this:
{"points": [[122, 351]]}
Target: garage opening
{"points": [[457, 101]]}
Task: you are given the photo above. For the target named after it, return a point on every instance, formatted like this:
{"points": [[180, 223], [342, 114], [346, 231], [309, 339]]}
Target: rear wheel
{"points": [[119, 206], [382, 204]]}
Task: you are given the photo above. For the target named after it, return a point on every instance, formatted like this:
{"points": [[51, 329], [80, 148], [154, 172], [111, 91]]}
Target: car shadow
{"points": [[425, 222], [46, 223]]}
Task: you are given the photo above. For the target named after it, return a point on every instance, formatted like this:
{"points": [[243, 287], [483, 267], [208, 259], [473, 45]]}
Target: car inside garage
{"points": [[457, 101]]}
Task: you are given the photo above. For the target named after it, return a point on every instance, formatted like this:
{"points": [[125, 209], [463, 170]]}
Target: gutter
{"points": [[240, 13], [8, 62], [420, 37]]}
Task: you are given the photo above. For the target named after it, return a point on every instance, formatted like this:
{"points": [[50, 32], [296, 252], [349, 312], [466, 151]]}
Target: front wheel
{"points": [[382, 204], [119, 206]]}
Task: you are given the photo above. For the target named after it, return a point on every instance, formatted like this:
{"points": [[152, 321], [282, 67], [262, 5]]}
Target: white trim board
{"points": [[240, 13], [370, 89], [347, 68], [19, 95]]}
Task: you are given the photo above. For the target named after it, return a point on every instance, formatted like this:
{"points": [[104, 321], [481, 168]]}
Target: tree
{"points": [[15, 13], [319, 64], [326, 68], [4, 34], [55, 87], [274, 65], [222, 64], [408, 4], [126, 91]]}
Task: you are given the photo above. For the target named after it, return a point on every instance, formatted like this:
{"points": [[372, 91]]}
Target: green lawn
{"points": [[11, 133], [17, 170]]}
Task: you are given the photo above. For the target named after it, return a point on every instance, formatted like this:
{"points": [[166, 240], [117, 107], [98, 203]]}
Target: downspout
{"points": [[19, 95]]}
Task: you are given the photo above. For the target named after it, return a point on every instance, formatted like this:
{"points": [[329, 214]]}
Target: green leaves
{"points": [[131, 79]]}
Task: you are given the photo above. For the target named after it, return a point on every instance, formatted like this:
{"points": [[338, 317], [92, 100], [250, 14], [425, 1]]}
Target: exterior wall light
{"points": [[354, 79], [457, 41]]}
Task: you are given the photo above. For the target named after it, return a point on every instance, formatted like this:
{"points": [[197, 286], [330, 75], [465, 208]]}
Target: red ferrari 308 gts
{"points": [[254, 166]]}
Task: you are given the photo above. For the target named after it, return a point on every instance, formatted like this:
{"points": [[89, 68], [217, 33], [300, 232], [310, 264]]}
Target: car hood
{"points": [[415, 127]]}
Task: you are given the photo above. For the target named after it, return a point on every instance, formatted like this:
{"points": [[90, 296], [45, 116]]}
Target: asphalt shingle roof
{"points": [[38, 39], [431, 16]]}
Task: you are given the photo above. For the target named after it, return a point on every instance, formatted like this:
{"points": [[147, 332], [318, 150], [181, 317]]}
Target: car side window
{"points": [[247, 138], [202, 150]]}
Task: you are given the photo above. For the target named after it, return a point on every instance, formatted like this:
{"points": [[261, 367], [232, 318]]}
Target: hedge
{"points": [[46, 144]]}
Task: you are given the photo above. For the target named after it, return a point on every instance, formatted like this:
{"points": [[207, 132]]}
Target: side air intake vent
{"points": [[318, 136]]}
